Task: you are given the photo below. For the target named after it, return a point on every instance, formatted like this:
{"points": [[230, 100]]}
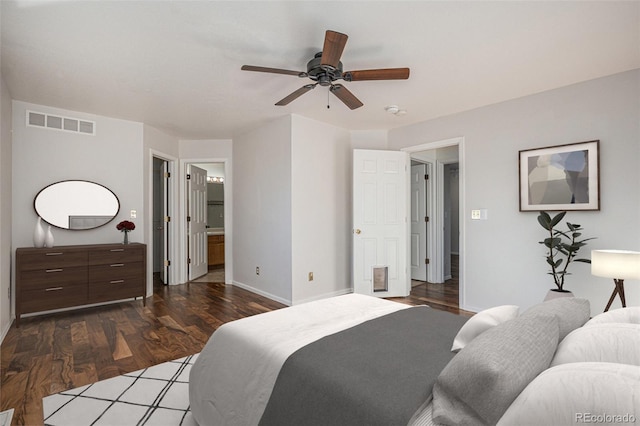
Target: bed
{"points": [[357, 359]]}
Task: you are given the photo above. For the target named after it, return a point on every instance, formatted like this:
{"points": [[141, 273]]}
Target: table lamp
{"points": [[619, 265]]}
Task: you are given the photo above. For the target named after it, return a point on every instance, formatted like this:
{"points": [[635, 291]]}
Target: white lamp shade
{"points": [[618, 264]]}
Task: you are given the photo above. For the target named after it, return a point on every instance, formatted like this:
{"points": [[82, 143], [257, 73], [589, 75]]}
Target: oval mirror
{"points": [[76, 204]]}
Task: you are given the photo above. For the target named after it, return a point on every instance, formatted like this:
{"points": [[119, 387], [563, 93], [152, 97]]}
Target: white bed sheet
{"points": [[231, 382]]}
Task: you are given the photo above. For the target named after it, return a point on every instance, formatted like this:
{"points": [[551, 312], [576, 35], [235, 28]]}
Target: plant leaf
{"points": [[557, 218], [544, 220]]}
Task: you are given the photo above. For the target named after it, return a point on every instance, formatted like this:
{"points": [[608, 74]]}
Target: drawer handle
{"points": [[53, 270], [53, 288], [116, 250], [116, 265], [116, 281], [58, 253]]}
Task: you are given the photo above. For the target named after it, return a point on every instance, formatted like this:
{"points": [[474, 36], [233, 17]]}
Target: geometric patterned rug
{"points": [[157, 395]]}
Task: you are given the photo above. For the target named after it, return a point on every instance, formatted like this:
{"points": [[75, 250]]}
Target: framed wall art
{"points": [[562, 177]]}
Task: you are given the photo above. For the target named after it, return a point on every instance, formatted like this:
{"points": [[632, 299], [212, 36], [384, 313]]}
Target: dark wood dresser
{"points": [[68, 276]]}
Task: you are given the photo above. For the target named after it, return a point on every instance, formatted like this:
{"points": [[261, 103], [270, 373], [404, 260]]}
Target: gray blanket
{"points": [[376, 373]]}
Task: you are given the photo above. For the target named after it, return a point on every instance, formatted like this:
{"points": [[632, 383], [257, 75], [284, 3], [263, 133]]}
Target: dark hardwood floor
{"points": [[52, 353], [443, 296]]}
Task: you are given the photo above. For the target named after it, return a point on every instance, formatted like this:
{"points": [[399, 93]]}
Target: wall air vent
{"points": [[55, 122]]}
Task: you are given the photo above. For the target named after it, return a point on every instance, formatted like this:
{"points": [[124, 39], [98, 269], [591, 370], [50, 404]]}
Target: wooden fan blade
{"points": [[346, 96], [273, 70], [380, 74], [295, 95], [334, 43]]}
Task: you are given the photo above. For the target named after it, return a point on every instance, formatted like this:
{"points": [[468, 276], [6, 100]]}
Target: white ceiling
{"points": [[175, 65]]}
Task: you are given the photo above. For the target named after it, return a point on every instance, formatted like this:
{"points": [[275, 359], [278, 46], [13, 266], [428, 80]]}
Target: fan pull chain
{"points": [[328, 97]]}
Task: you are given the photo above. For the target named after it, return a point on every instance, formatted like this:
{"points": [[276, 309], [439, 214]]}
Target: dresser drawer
{"points": [[53, 297], [115, 289], [117, 254], [51, 258], [52, 277], [115, 271]]}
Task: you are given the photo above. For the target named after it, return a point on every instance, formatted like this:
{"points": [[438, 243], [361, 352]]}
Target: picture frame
{"points": [[560, 178]]}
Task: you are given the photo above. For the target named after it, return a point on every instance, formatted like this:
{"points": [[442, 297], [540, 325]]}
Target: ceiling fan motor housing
{"points": [[323, 74]]}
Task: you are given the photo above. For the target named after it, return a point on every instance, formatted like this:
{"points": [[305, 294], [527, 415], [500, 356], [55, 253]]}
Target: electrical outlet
{"points": [[310, 276], [257, 270], [133, 214]]}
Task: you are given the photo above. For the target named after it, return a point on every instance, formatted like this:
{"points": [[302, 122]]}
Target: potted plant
{"points": [[562, 247]]}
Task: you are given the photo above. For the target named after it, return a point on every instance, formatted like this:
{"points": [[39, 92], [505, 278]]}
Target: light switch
{"points": [[479, 214], [134, 214]]}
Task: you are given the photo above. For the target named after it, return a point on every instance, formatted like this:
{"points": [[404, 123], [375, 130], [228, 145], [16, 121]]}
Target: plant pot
{"points": [[555, 293]]}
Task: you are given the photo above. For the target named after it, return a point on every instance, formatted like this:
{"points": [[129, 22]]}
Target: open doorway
{"points": [[206, 255], [438, 220], [161, 218]]}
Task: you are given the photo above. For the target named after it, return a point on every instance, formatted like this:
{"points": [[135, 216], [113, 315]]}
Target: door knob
{"points": [[357, 231]]}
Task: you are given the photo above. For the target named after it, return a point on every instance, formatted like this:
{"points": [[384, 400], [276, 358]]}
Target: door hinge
{"points": [[426, 218], [189, 261], [167, 218], [426, 177], [426, 261], [167, 175], [167, 263], [188, 218], [188, 176]]}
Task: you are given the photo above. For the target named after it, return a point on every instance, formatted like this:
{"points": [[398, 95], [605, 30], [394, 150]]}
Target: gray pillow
{"points": [[572, 312], [486, 376]]}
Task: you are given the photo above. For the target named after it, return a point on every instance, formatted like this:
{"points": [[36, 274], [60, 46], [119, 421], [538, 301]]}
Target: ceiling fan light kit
{"points": [[325, 68]]}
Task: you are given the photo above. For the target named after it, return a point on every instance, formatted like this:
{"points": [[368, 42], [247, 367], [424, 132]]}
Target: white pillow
{"points": [[481, 322], [577, 393], [628, 315], [606, 342]]}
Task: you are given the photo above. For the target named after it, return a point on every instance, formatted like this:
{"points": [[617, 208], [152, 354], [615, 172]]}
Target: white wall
{"points": [[503, 263], [208, 150], [5, 209], [321, 209], [112, 157], [369, 139], [262, 210]]}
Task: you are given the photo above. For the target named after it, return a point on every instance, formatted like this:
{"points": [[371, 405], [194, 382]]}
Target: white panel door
{"points": [[380, 227], [197, 187], [418, 222]]}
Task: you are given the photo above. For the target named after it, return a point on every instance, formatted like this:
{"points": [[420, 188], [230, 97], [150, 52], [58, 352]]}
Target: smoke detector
{"points": [[395, 110]]}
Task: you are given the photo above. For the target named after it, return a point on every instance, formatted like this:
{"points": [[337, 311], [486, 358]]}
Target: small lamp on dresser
{"points": [[617, 264]]}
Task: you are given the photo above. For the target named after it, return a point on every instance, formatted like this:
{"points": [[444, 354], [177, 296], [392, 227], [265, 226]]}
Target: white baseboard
{"points": [[261, 293], [3, 334], [289, 302], [326, 295]]}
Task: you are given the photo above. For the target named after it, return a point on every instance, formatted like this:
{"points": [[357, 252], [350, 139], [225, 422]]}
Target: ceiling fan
{"points": [[325, 68]]}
